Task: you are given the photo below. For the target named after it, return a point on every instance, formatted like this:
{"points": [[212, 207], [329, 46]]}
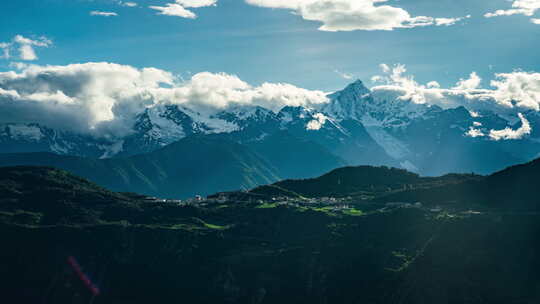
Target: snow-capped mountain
{"points": [[357, 126], [359, 103], [16, 138]]}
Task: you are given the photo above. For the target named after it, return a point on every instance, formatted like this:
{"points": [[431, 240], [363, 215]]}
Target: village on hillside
{"points": [[346, 205]]}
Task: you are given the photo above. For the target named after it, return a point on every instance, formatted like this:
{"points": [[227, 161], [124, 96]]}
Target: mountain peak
{"points": [[349, 102], [357, 84], [356, 88]]}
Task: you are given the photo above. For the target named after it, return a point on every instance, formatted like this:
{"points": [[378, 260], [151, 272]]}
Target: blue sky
{"points": [[262, 44]]}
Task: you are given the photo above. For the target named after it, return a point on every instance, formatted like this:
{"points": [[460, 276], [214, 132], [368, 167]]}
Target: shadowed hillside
{"points": [[139, 251], [196, 165]]}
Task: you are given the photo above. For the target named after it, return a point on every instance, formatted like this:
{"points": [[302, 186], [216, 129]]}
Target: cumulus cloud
{"points": [[473, 82], [519, 7], [103, 14], [78, 97], [24, 46], [509, 133], [179, 8], [173, 9], [517, 90], [535, 21], [103, 99], [511, 92], [351, 15]]}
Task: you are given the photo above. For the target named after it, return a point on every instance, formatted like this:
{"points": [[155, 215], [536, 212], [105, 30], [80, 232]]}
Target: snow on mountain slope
{"points": [[37, 138], [391, 145], [358, 102], [24, 132]]}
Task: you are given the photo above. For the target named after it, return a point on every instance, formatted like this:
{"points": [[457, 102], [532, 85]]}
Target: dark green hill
{"points": [[354, 181], [194, 165], [516, 183], [28, 183], [513, 188], [42, 195], [147, 252]]}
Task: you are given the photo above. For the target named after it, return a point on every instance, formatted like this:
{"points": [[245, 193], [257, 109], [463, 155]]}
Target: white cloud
{"points": [[24, 46], [317, 123], [4, 47], [27, 52], [103, 99], [343, 75], [77, 97], [449, 21], [517, 90], [474, 133], [474, 114], [128, 4], [351, 15], [433, 85], [519, 7], [508, 133], [103, 14], [179, 8], [173, 9], [196, 3], [535, 21], [510, 93], [469, 84]]}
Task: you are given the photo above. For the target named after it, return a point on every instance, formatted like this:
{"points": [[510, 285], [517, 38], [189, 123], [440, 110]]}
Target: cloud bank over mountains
{"points": [[103, 99], [510, 93]]}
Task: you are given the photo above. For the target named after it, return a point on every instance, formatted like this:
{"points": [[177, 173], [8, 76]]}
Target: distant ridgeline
{"points": [[467, 237], [194, 165]]}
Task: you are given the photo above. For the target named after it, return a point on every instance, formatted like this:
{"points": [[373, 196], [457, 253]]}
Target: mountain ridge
{"points": [[357, 125], [196, 165]]}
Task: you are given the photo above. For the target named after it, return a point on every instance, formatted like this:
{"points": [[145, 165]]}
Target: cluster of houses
{"points": [[338, 204], [225, 197], [191, 201], [417, 205], [395, 205]]}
